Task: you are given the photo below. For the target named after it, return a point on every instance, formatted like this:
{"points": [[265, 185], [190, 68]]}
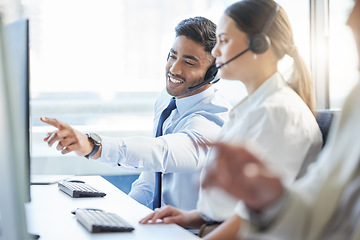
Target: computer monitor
{"points": [[16, 37], [14, 182]]}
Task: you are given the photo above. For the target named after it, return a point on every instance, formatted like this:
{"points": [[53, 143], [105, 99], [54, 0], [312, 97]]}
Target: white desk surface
{"points": [[49, 214]]}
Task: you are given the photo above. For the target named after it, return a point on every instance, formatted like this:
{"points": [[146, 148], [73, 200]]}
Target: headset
{"points": [[258, 43]]}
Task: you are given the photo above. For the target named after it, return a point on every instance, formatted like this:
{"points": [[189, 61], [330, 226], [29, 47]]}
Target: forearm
{"points": [[289, 222], [194, 219], [170, 153], [263, 219], [227, 230]]}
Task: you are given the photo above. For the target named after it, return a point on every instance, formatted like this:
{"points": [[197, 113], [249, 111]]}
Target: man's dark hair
{"points": [[198, 29]]}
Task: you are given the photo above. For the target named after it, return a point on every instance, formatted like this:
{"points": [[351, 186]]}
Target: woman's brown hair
{"points": [[251, 16]]}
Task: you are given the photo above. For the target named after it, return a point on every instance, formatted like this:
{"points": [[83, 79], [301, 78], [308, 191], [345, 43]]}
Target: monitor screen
{"points": [[14, 181]]}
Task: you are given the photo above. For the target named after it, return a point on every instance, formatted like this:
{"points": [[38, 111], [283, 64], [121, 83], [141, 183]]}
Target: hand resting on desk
{"points": [[169, 214]]}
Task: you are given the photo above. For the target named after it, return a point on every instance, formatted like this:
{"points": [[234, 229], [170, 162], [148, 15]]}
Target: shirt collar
{"points": [[186, 103], [271, 85]]}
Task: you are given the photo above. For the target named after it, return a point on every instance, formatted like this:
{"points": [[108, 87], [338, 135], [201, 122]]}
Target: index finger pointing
{"points": [[53, 122]]}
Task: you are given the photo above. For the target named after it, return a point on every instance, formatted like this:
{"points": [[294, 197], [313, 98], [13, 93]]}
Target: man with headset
{"points": [[178, 151]]}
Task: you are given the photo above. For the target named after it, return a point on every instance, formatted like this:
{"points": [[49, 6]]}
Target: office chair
{"points": [[324, 118]]}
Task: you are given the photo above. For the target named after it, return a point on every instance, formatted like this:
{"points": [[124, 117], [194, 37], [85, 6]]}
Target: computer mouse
{"points": [[76, 181], [94, 209]]}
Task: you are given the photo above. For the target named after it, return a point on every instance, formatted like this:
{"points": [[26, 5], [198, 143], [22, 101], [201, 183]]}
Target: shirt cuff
{"points": [[263, 220], [112, 150]]}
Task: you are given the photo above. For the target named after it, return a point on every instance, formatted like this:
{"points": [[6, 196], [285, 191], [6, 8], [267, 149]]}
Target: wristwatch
{"points": [[96, 139]]}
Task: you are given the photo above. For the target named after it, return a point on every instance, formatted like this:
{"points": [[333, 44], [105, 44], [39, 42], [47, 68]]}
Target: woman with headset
{"points": [[276, 118]]}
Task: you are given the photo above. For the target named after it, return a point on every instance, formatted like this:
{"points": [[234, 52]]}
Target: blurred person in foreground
{"points": [[323, 205]]}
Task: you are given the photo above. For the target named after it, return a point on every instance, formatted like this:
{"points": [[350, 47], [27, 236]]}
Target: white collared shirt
{"points": [[196, 119], [276, 121]]}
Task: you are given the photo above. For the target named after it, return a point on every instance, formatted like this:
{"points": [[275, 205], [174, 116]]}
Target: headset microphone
{"points": [[211, 74], [211, 77]]}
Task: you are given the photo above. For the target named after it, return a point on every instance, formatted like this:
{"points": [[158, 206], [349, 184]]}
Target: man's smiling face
{"points": [[186, 67]]}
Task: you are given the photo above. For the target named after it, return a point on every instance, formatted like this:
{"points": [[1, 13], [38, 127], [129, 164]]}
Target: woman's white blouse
{"points": [[284, 131]]}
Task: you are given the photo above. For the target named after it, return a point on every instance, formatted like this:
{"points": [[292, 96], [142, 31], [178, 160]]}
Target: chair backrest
{"points": [[324, 118]]}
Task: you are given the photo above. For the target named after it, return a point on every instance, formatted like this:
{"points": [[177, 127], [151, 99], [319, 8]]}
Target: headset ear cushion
{"points": [[259, 43], [211, 73]]}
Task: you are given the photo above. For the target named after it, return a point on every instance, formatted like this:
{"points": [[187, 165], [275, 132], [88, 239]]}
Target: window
{"points": [[98, 65]]}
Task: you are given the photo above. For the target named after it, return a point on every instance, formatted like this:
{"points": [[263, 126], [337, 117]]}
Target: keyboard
{"points": [[97, 221], [77, 189]]}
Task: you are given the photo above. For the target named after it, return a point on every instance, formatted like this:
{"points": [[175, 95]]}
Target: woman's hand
{"points": [[169, 214]]}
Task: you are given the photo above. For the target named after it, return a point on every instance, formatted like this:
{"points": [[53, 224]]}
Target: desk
{"points": [[49, 214]]}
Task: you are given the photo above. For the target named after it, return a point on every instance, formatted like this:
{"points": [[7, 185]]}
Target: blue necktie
{"points": [[164, 115]]}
